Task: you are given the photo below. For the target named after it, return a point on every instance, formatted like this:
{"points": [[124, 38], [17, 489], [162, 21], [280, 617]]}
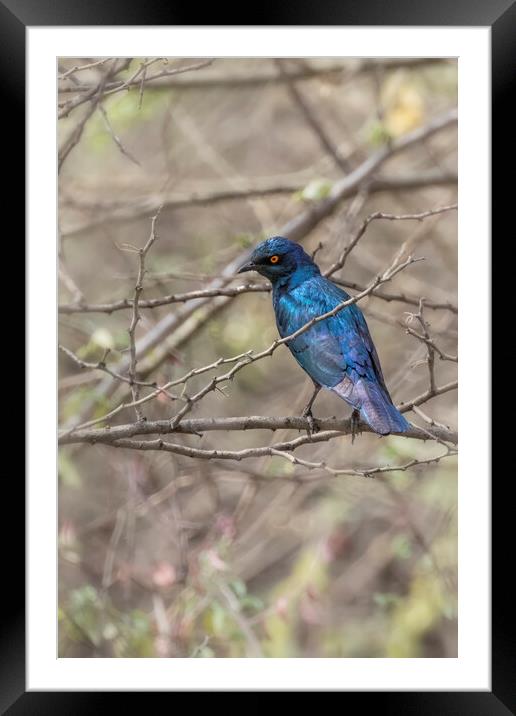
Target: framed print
{"points": [[255, 256]]}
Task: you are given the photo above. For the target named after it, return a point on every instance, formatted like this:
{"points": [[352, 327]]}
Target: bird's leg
{"points": [[354, 423], [307, 412]]}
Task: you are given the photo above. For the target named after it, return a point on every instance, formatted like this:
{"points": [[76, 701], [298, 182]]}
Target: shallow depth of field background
{"points": [[162, 555]]}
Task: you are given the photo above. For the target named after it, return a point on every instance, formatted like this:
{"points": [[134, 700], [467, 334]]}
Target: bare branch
{"points": [[404, 407], [428, 419], [380, 215], [282, 449], [101, 365], [96, 92], [119, 85], [142, 253], [401, 297], [432, 348], [354, 472], [69, 282], [198, 426], [80, 68], [301, 225], [162, 301], [94, 97], [76, 134], [83, 307], [311, 118], [115, 137], [115, 211]]}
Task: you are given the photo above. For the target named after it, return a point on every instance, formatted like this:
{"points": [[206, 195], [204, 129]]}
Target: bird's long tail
{"points": [[374, 405]]}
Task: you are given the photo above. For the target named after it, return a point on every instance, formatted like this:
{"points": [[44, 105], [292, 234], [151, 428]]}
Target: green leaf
{"points": [[252, 602], [315, 190], [401, 546], [103, 338], [239, 587], [378, 134], [385, 599]]}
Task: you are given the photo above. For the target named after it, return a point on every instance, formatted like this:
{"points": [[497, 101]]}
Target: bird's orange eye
{"points": [[274, 259]]}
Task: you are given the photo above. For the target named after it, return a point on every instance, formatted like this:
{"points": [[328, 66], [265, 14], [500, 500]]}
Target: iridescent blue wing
{"points": [[333, 348]]}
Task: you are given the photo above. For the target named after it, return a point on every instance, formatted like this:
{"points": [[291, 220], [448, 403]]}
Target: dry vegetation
{"points": [[186, 533]]}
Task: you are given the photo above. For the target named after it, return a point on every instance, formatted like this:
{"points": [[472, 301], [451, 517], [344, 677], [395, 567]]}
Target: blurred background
{"points": [[164, 555]]}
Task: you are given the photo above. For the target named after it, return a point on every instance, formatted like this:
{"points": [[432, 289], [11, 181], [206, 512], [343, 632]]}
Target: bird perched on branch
{"points": [[337, 352]]}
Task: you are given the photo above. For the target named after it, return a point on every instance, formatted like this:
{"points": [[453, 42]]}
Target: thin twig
{"points": [[142, 253], [96, 92], [101, 365], [278, 449], [81, 68], [311, 119], [381, 215], [431, 344], [120, 85], [115, 137], [403, 407]]}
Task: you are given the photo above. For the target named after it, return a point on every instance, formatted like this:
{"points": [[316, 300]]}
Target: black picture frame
{"points": [[500, 15]]}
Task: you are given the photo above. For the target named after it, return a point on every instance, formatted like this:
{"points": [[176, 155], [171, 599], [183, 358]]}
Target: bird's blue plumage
{"points": [[338, 352]]}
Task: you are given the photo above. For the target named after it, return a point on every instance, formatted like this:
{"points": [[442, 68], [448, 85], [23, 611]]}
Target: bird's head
{"points": [[279, 258]]}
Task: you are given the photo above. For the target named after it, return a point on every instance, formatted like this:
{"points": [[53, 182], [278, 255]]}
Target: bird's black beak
{"points": [[247, 267]]}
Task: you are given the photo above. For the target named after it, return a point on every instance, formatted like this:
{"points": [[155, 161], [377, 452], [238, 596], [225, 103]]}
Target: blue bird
{"points": [[337, 353]]}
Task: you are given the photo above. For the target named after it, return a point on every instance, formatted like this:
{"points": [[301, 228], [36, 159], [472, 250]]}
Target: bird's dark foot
{"points": [[312, 426], [354, 422], [307, 412]]}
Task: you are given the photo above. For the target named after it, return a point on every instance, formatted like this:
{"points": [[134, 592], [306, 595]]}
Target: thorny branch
{"points": [[198, 426], [100, 365], [142, 253], [82, 307], [278, 449], [94, 97], [432, 348], [380, 215], [119, 85]]}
